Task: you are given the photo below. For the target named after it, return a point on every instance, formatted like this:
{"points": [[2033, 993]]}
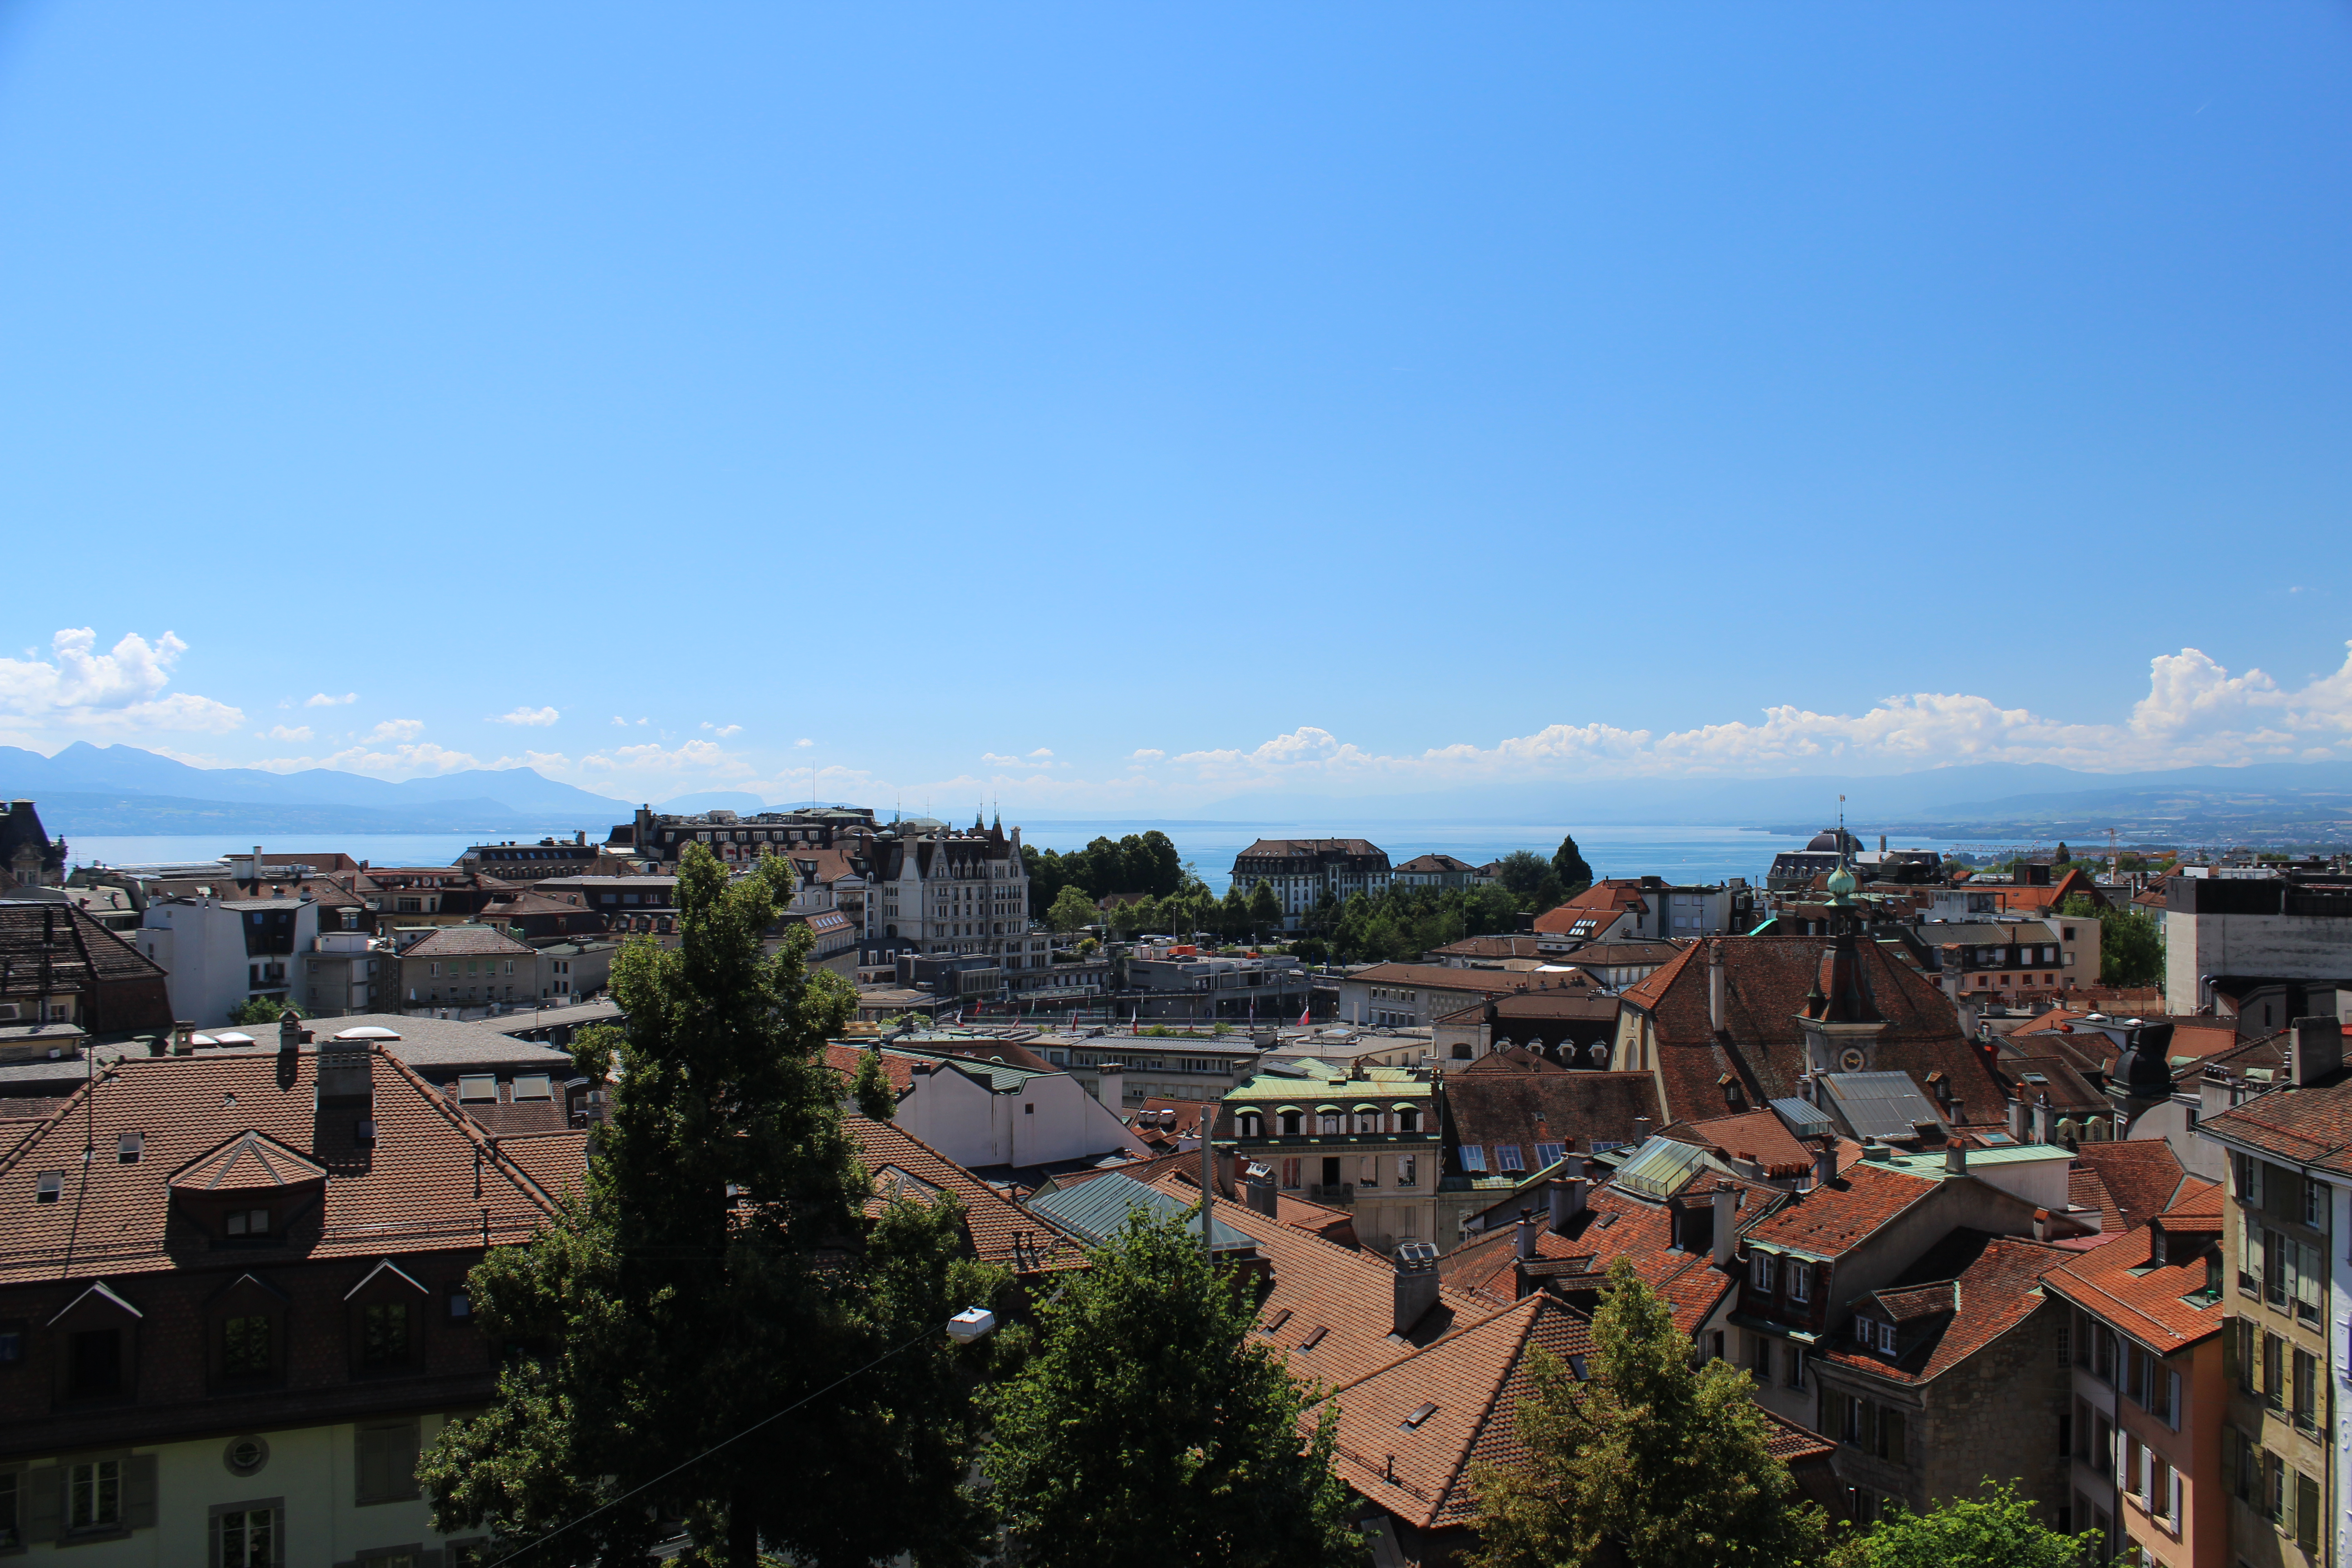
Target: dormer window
{"points": [[48, 1186], [1759, 1271], [1886, 1338], [128, 1147], [1866, 1332], [248, 1222]]}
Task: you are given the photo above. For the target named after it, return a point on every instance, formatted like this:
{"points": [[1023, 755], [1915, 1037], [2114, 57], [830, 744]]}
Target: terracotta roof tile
{"points": [[1827, 1222], [2309, 1126], [991, 1219], [2161, 1306], [2142, 1174], [1995, 1293], [1529, 1108], [411, 1191], [1759, 1135]]}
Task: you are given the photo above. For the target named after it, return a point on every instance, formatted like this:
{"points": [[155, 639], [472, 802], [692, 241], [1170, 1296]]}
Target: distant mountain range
{"points": [[88, 789], [91, 789]]}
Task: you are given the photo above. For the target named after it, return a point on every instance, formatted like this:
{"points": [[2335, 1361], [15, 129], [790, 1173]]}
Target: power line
{"points": [[689, 1464]]}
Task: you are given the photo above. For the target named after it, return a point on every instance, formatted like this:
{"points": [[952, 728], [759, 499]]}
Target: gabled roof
{"points": [[2142, 1174], [411, 1191], [2163, 1305], [1767, 979], [996, 1226], [468, 942], [1313, 1284], [1992, 1295], [1098, 1211], [1407, 1434], [1529, 1108], [2300, 1126], [1827, 1222], [246, 1163]]}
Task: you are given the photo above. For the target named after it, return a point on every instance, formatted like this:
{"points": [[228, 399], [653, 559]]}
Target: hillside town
{"points": [[2025, 1175]]}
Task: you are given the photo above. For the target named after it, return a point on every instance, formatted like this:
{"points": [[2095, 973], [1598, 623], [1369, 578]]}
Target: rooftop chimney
{"points": [[2016, 1118], [1641, 1129], [1956, 1158], [1257, 1190], [2319, 1050], [1877, 1152], [1727, 1219], [1715, 987], [1416, 1284], [1523, 1241], [1567, 1195], [1825, 1162]]}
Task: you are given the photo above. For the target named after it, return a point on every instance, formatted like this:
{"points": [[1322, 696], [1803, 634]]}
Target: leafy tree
{"points": [[1664, 1460], [1233, 913], [1530, 880], [1265, 908], [2131, 943], [1309, 948], [2064, 857], [258, 1010], [712, 1275], [1997, 1528], [1146, 1428], [1567, 863], [1072, 911], [871, 1090]]}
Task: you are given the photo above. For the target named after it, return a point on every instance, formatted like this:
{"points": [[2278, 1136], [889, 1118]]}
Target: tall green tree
{"points": [[1072, 911], [1147, 1429], [1567, 863], [1530, 880], [871, 1089], [2131, 943], [258, 1010], [1665, 1461], [1265, 908], [715, 1271], [1999, 1527]]}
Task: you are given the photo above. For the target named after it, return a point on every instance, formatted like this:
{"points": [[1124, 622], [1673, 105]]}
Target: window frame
{"points": [[275, 1507]]}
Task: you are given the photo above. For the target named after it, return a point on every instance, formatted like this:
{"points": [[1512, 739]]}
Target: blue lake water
{"points": [[1677, 854]]}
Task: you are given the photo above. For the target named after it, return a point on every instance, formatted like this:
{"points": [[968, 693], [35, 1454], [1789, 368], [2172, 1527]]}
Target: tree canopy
{"points": [[2131, 942], [1533, 883], [1147, 1429], [1072, 911], [1139, 863], [1666, 1461], [1997, 1528], [1567, 863], [717, 1269]]}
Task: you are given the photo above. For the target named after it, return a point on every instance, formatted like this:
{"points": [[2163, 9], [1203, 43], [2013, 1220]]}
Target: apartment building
{"points": [[2151, 1400], [946, 891], [1305, 872], [2290, 1188], [2247, 927], [223, 952], [1365, 1140]]}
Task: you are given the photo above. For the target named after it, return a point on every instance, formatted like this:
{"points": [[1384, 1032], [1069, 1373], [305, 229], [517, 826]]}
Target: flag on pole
{"points": [[1303, 1021]]}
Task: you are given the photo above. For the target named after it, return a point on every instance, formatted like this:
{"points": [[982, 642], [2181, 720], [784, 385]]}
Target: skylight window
{"points": [[477, 1087], [48, 1185], [1509, 1157], [1419, 1414], [532, 1085], [128, 1147], [1274, 1325], [1311, 1340], [1547, 1154], [1474, 1158]]}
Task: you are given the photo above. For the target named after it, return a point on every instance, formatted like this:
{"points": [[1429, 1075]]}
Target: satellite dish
{"points": [[1851, 1060]]}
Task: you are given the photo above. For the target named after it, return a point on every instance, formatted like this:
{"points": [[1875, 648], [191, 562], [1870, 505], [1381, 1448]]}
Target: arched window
{"points": [[1250, 1124], [1293, 1124], [1408, 1118]]}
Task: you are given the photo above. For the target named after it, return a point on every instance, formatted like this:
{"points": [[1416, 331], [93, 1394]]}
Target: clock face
{"points": [[1853, 1060]]}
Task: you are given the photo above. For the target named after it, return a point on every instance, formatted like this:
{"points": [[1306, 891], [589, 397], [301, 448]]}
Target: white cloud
{"points": [[397, 730], [804, 742], [295, 732], [2196, 711], [704, 757], [400, 761], [320, 699], [618, 720], [545, 762], [119, 691], [1149, 754], [993, 760], [1041, 752], [724, 732], [537, 718]]}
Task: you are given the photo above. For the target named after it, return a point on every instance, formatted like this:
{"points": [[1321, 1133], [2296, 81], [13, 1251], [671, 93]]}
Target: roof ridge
{"points": [[1486, 1406]]}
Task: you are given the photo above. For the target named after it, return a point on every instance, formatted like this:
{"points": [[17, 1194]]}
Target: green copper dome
{"points": [[1841, 885]]}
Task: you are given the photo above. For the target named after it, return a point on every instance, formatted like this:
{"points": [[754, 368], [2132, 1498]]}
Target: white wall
{"points": [[200, 947], [313, 1469], [1052, 1117], [2276, 947]]}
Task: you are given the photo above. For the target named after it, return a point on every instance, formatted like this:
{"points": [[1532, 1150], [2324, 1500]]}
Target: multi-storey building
{"points": [[223, 952], [2149, 1400], [947, 890], [29, 857], [64, 976], [2290, 1178], [1304, 871], [2029, 962], [663, 836], [1436, 871], [2283, 930], [245, 1370], [512, 862], [1366, 1139]]}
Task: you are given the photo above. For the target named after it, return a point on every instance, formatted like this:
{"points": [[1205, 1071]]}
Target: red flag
{"points": [[1304, 1022]]}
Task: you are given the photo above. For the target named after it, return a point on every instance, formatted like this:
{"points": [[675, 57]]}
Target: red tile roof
{"points": [[992, 1221], [1995, 1293], [1531, 1108], [414, 1190], [1759, 1135], [2141, 1174], [1828, 1222], [2162, 1307], [1761, 1047], [2305, 1126]]}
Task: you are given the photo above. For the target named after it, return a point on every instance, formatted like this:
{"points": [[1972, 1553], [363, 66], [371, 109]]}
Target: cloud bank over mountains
{"points": [[2196, 711]]}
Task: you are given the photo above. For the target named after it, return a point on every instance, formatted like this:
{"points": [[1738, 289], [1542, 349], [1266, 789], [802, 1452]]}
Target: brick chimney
{"points": [[1416, 1284], [1727, 1221]]}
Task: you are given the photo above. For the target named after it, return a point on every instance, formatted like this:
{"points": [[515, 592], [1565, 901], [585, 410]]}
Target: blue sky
{"points": [[1123, 408]]}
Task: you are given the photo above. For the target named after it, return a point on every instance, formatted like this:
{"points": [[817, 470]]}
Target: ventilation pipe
{"points": [[1714, 1008]]}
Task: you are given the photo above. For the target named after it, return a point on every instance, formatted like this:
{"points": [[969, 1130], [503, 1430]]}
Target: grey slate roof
{"points": [[1096, 1210], [1880, 1104], [1801, 1120], [435, 1047]]}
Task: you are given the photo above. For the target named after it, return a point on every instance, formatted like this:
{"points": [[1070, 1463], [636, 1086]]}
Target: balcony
{"points": [[1341, 1194]]}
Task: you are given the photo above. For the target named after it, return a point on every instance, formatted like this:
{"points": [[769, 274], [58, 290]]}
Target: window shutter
{"points": [[2172, 1400], [2172, 1511], [139, 1491], [44, 1503], [2231, 1477], [2230, 1352], [2306, 1511]]}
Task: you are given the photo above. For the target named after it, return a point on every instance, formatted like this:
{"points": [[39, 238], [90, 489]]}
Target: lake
{"points": [[1677, 854]]}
